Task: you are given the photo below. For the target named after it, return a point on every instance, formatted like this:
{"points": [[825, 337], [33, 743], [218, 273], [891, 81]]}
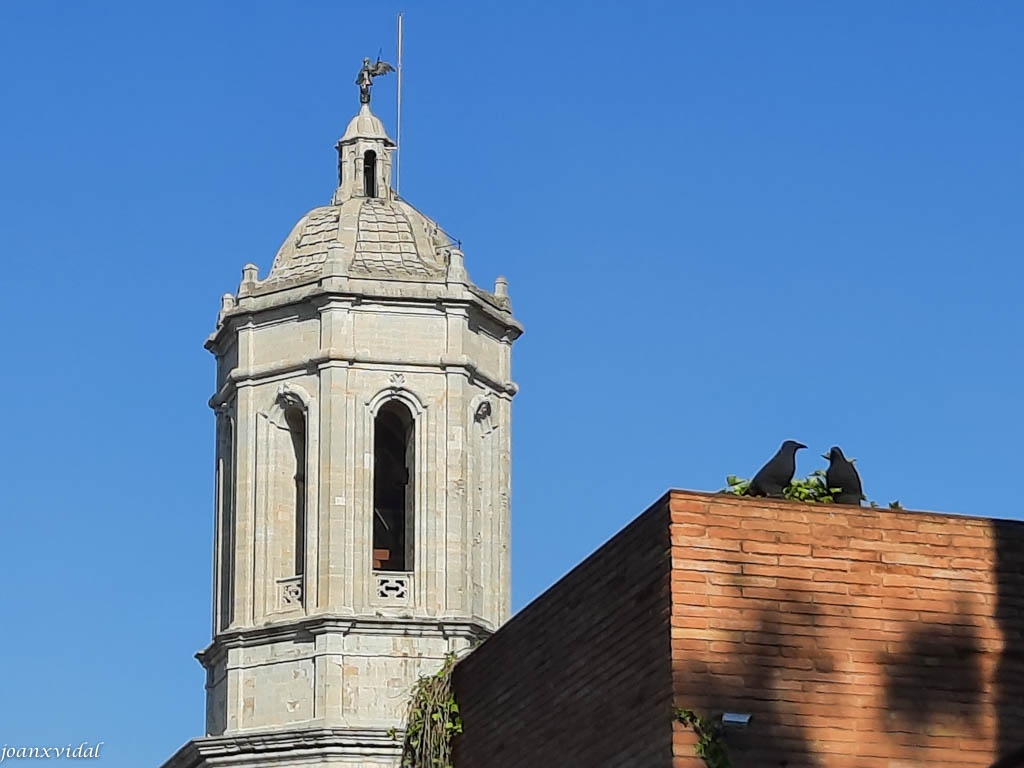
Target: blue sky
{"points": [[724, 224]]}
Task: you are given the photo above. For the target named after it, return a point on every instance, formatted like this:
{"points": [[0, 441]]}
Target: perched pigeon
{"points": [[777, 473], [843, 475]]}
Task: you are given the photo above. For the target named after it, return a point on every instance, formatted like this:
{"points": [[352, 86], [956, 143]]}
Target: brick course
{"points": [[855, 637]]}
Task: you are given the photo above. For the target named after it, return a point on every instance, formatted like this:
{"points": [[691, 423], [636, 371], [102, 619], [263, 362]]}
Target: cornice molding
{"points": [[359, 291], [284, 747], [326, 358], [310, 626]]}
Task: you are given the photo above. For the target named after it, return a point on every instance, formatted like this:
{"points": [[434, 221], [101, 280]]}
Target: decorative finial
{"points": [[365, 78], [250, 274]]}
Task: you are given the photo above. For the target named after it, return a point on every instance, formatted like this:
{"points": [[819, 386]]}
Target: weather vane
{"points": [[365, 78]]}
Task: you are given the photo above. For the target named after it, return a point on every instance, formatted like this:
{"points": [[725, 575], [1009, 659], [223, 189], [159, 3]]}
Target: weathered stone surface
{"points": [[364, 232], [367, 303]]}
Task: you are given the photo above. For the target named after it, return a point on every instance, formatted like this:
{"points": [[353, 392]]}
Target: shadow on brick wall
{"points": [[935, 675], [1009, 566], [772, 654]]}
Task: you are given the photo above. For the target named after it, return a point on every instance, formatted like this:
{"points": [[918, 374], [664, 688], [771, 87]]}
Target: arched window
{"points": [[226, 473], [370, 173], [393, 474], [296, 421]]}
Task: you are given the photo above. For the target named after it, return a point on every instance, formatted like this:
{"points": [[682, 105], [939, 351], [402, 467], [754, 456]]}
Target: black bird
{"points": [[843, 475], [777, 473]]}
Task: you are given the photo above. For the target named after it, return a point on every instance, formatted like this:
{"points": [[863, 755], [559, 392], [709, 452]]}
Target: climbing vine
{"points": [[709, 747], [432, 719]]}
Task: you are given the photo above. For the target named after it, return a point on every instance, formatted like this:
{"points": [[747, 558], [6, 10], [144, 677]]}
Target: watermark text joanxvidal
{"points": [[68, 751]]}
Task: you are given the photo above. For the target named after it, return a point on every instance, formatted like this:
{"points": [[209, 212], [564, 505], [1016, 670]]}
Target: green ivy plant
{"points": [[892, 505], [432, 720], [709, 747], [811, 489]]}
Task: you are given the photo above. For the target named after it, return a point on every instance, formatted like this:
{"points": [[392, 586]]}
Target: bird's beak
{"points": [[825, 456], [800, 445]]}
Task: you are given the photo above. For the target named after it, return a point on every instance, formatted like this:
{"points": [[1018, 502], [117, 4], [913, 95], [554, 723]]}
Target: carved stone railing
{"points": [[290, 593], [392, 588]]}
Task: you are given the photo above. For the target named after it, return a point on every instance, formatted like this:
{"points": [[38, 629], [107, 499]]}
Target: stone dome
{"points": [[369, 237], [365, 125], [369, 234], [368, 241], [367, 231]]}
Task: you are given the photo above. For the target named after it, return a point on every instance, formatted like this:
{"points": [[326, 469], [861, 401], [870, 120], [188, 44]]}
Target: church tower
{"points": [[362, 403]]}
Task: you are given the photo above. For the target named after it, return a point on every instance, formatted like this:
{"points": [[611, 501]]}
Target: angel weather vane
{"points": [[366, 75]]}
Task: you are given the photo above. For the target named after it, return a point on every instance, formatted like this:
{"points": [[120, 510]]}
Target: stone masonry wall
{"points": [[582, 676]]}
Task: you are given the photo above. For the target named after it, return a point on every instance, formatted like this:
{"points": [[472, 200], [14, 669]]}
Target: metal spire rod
{"points": [[398, 119]]}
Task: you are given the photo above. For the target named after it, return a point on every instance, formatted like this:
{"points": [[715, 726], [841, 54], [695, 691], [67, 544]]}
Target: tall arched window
{"points": [[393, 463], [226, 473], [296, 421], [370, 173]]}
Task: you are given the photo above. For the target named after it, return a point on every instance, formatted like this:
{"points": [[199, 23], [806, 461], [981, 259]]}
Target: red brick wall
{"points": [[581, 676], [855, 637]]}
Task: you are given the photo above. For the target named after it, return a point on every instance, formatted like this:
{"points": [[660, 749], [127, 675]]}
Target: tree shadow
{"points": [[1008, 538], [774, 659], [1013, 759], [788, 665], [936, 675]]}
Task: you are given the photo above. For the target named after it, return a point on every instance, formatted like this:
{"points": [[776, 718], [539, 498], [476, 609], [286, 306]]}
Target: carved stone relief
{"points": [[290, 593], [484, 417]]}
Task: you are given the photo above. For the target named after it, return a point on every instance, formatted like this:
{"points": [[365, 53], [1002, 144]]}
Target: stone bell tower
{"points": [[363, 400]]}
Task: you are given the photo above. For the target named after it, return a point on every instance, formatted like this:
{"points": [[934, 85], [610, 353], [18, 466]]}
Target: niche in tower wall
{"points": [[392, 487]]}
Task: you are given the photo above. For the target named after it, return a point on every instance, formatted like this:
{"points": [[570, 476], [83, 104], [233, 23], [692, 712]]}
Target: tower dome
{"points": [[368, 232], [368, 237], [365, 125]]}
